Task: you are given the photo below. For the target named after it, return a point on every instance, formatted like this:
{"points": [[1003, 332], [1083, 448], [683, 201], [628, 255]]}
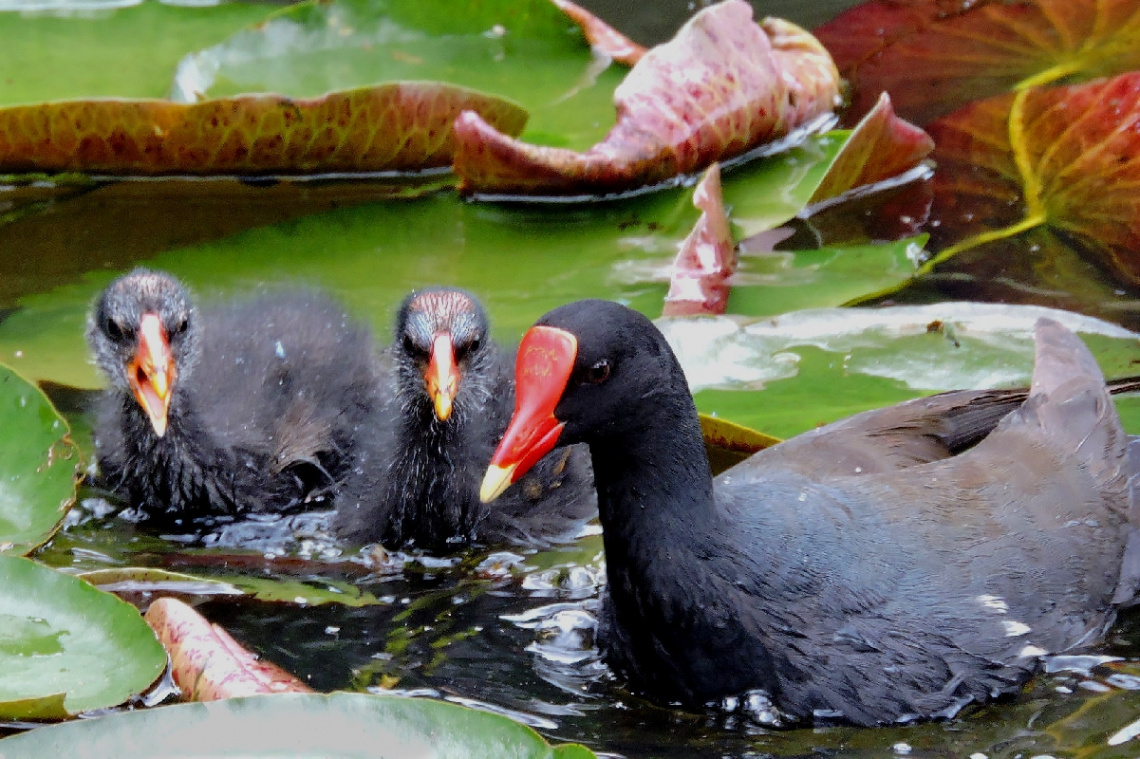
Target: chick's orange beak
{"points": [[542, 369], [442, 375], [151, 371]]}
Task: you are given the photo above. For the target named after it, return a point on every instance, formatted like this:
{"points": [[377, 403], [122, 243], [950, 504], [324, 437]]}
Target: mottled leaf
{"points": [[38, 465], [1064, 159], [603, 38], [334, 726], [698, 283], [933, 56], [721, 87], [393, 127], [880, 147], [207, 663], [66, 647]]}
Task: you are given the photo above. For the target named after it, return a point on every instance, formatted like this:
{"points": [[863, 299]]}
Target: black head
{"points": [[440, 341], [586, 371], [142, 333]]}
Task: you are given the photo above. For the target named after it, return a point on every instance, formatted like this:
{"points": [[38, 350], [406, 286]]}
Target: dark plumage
{"points": [[896, 565], [451, 392], [266, 398]]}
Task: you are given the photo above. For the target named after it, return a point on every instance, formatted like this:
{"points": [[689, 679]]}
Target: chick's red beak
{"points": [[151, 371], [442, 375], [542, 370]]}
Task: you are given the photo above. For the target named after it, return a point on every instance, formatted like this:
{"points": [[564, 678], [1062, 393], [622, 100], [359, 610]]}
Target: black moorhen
{"points": [[249, 406], [893, 566], [452, 391]]}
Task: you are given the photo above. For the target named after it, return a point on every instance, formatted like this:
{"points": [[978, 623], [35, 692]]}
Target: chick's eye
{"points": [[410, 346], [179, 327], [599, 372], [113, 330]]}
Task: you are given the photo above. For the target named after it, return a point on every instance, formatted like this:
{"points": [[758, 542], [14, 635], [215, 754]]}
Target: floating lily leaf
{"points": [[394, 127], [603, 38], [62, 636], [336, 726], [522, 49], [707, 258], [37, 465], [728, 443], [881, 146], [207, 663], [1045, 166], [820, 365], [756, 83], [934, 56]]}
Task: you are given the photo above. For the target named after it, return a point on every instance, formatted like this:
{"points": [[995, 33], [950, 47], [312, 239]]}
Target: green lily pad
{"points": [[525, 50], [62, 636], [120, 52], [295, 725], [37, 465]]}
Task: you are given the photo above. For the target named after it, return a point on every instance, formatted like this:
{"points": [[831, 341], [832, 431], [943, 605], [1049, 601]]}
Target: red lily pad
{"points": [[707, 258], [722, 86], [934, 56], [602, 37], [392, 127], [881, 146], [1061, 163], [207, 663]]}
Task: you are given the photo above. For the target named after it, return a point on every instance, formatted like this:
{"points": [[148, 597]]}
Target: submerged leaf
{"points": [[1063, 159], [698, 283], [66, 647], [38, 464], [721, 87], [881, 146], [207, 663], [392, 127], [603, 38], [334, 726], [933, 56]]}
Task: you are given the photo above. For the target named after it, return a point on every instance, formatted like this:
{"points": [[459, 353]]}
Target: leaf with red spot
{"points": [[698, 283], [392, 127], [602, 37], [933, 56], [1045, 166], [721, 87], [880, 147], [207, 663]]}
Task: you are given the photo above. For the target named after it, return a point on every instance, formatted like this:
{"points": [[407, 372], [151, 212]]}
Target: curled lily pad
{"points": [[62, 637], [392, 127], [933, 56], [603, 38], [38, 465], [336, 726], [207, 663], [707, 258], [721, 87], [1047, 167]]}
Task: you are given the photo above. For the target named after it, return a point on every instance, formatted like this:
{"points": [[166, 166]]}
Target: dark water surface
{"points": [[509, 632]]}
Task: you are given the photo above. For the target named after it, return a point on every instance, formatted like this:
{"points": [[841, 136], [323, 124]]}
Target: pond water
{"points": [[511, 632]]}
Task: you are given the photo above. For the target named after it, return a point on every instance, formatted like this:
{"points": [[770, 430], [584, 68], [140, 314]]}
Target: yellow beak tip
{"points": [[442, 408], [496, 480]]}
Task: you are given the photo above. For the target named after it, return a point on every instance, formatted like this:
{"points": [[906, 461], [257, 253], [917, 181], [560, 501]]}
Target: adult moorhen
{"points": [[893, 566], [249, 406], [451, 392]]}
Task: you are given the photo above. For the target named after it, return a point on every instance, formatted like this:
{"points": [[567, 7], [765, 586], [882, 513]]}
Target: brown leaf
{"points": [[392, 127], [722, 86], [881, 146], [707, 258], [934, 56], [1066, 159], [207, 663], [602, 37]]}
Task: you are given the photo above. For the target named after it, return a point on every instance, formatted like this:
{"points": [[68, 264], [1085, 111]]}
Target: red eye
{"points": [[599, 372]]}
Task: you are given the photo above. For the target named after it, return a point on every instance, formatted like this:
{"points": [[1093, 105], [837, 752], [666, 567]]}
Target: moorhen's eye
{"points": [[598, 373], [113, 330]]}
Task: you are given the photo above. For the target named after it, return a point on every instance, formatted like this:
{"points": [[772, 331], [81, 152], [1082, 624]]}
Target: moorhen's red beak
{"points": [[442, 375], [151, 371], [545, 360]]}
